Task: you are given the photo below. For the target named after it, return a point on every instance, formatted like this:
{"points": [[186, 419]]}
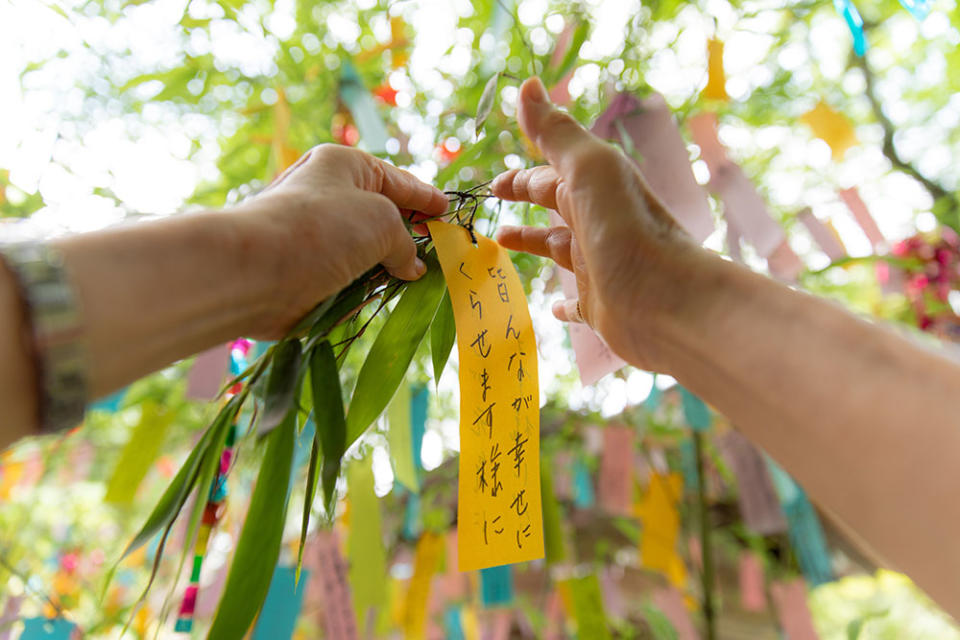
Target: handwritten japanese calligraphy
{"points": [[500, 515]]}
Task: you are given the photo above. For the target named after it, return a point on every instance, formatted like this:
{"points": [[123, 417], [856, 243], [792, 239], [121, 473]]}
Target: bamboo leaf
{"points": [[311, 492], [281, 386], [485, 104], [176, 494], [580, 33], [259, 545], [443, 333], [328, 415], [392, 351]]}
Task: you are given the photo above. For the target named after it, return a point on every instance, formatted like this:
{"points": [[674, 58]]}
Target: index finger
{"points": [[407, 191]]}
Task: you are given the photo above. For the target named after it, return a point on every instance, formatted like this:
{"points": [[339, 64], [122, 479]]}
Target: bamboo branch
{"points": [[706, 574], [936, 190]]}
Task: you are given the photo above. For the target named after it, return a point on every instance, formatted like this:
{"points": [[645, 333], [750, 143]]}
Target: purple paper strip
{"points": [[851, 197], [758, 500], [208, 373]]}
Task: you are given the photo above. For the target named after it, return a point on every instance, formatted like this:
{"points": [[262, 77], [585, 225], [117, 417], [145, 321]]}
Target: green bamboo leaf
{"points": [[392, 351], [311, 492], [281, 387], [176, 494], [443, 333], [331, 427], [580, 33], [259, 545], [486, 102]]}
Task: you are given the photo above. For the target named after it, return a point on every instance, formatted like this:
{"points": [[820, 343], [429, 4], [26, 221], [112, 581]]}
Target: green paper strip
{"points": [[138, 454]]}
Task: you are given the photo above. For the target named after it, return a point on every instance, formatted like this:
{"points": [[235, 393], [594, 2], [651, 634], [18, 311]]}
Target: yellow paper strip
{"points": [[716, 88], [499, 512], [426, 563]]}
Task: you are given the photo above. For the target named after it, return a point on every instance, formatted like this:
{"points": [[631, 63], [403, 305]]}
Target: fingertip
{"points": [[506, 236], [411, 271], [532, 90], [501, 184]]}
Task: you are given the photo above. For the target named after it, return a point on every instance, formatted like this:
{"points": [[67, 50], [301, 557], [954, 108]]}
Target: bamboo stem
{"points": [[706, 573]]}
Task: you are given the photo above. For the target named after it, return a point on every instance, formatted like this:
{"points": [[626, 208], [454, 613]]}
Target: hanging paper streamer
{"points": [[330, 587], [661, 525], [648, 129], [11, 612], [594, 358], [823, 235], [412, 519], [496, 586], [848, 11], [758, 500], [419, 404], [806, 534], [425, 564], [110, 403], [47, 629], [784, 263], [742, 205], [212, 512], [695, 411], [832, 127], [688, 465], [552, 527], [365, 546], [278, 617], [716, 88], [752, 596], [400, 439], [587, 600], [615, 485], [453, 583], [453, 624], [207, 374], [138, 454], [919, 9], [499, 511], [363, 108], [670, 602], [583, 496], [613, 600], [792, 610], [851, 198]]}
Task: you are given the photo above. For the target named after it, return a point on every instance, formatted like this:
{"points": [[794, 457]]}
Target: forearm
{"points": [[864, 418], [152, 293]]}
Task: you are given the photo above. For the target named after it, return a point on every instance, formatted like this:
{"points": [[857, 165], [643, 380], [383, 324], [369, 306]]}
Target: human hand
{"points": [[326, 220], [628, 254]]}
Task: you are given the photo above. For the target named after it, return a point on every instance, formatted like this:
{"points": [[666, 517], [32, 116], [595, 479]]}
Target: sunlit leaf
{"points": [[313, 470], [487, 99], [391, 353], [259, 545], [443, 333], [331, 426], [281, 386]]}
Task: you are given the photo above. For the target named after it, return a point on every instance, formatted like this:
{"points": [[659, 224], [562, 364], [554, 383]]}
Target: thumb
{"points": [[556, 133]]}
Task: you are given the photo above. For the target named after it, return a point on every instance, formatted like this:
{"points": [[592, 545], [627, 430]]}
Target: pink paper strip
{"points": [[784, 264], [331, 588], [613, 601], [670, 602], [615, 486], [752, 596], [851, 197], [661, 155], [794, 614], [555, 617], [822, 235], [562, 477], [11, 613], [208, 374], [742, 205], [758, 500], [594, 358]]}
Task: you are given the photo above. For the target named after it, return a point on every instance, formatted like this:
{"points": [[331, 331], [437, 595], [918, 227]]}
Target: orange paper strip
{"points": [[499, 512]]}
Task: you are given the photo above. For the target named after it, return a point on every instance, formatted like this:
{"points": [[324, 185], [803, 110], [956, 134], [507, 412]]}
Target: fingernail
{"points": [[538, 93], [419, 267]]}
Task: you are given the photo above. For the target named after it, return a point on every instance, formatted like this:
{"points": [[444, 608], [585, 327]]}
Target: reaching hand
{"points": [[623, 246], [331, 216]]}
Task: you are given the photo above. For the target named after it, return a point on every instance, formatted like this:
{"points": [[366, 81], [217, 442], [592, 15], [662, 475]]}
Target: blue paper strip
{"points": [[496, 586], [46, 629], [452, 624], [110, 404], [412, 522], [919, 9], [363, 108], [851, 16], [695, 411], [278, 617], [806, 533], [688, 465], [418, 424], [583, 496]]}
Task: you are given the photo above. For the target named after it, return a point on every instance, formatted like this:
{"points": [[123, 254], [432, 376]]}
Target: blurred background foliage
{"points": [[238, 89]]}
